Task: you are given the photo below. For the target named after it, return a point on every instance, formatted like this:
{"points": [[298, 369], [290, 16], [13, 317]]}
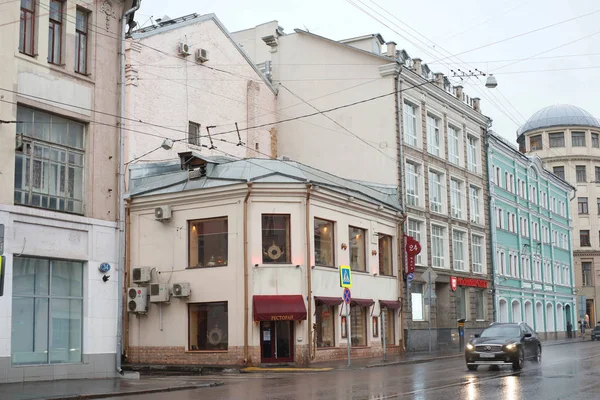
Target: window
{"points": [[597, 174], [513, 264], [419, 309], [477, 251], [324, 243], [325, 319], [557, 274], [208, 242], [510, 183], [595, 141], [584, 238], [81, 41], [578, 139], [412, 184], [410, 124], [456, 198], [208, 326], [458, 242], [437, 246], [580, 174], [557, 139], [475, 209], [390, 327], [498, 178], [535, 143], [414, 230], [461, 302], [49, 167], [435, 191], [55, 31], [566, 275], [537, 271], [480, 304], [582, 205], [533, 194], [385, 255], [523, 189], [472, 153], [276, 239], [194, 133], [559, 171], [502, 261], [357, 248], [358, 325], [499, 218], [586, 270], [547, 272], [526, 267], [453, 145], [598, 204], [535, 234], [433, 135], [27, 27], [554, 238], [47, 311]]}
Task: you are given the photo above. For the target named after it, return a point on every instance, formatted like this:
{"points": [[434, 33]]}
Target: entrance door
{"points": [[277, 341]]}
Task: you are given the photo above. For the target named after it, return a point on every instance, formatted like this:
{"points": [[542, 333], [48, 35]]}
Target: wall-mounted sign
{"points": [[453, 283], [104, 267], [472, 282], [412, 248]]}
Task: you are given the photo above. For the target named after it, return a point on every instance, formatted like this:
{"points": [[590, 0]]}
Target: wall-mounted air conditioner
{"points": [[137, 300], [162, 213], [141, 275], [181, 289], [201, 55], [159, 292], [184, 49]]}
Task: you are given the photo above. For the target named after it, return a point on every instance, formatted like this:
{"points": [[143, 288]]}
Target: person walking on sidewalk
{"points": [[569, 329]]}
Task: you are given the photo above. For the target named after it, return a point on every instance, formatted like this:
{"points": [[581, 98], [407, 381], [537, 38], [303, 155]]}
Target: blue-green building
{"points": [[530, 241]]}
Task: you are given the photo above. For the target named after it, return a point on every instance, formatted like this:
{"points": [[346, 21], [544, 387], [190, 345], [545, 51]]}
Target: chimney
{"points": [[391, 49], [417, 66], [438, 77], [459, 92], [476, 104]]}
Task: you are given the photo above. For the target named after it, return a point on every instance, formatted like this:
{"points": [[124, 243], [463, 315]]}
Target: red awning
{"points": [[391, 304], [279, 308], [362, 302], [329, 301]]}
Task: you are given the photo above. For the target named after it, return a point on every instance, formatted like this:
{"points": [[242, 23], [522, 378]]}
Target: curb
{"points": [[419, 361], [133, 392], [253, 370]]}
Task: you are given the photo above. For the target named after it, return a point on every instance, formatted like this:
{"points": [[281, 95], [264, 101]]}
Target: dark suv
{"points": [[502, 344], [596, 333]]}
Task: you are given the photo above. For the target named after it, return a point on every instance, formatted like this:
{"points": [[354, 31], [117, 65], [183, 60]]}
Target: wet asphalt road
{"points": [[570, 371]]}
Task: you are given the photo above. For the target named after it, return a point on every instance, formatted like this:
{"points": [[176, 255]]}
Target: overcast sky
{"points": [[436, 29]]}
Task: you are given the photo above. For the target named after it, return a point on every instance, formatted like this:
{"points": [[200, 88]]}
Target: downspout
{"points": [[127, 272], [311, 350], [491, 225], [246, 303], [121, 261]]}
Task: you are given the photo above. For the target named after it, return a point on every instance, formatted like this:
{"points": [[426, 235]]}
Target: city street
{"points": [[567, 372]]}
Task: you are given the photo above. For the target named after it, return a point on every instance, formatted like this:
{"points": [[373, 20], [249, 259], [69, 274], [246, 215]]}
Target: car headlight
{"points": [[470, 346], [511, 346]]}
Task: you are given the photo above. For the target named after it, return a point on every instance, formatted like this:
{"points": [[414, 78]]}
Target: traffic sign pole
{"points": [[348, 332]]}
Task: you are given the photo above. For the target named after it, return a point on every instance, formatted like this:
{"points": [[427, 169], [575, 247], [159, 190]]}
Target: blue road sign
{"points": [[345, 276], [347, 296], [410, 276]]}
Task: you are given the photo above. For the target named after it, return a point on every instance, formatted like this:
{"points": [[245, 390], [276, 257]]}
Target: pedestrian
{"points": [[587, 321], [569, 329]]}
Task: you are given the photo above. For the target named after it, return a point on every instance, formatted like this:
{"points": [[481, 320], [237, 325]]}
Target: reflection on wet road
{"points": [[567, 372]]}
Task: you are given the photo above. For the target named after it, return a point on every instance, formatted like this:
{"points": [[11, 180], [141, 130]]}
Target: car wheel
{"points": [[472, 367], [518, 363], [538, 355]]}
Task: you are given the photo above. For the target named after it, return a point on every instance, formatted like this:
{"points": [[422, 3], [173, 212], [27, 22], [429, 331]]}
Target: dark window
{"points": [[480, 304], [325, 318], [276, 239], [598, 204], [194, 133], [535, 143], [390, 327], [385, 255], [81, 41], [522, 148], [208, 326], [580, 174], [357, 249], [358, 326], [595, 141], [324, 243], [557, 139], [582, 205], [586, 270], [461, 302], [208, 242], [559, 171], [584, 238], [578, 139], [55, 31], [27, 27], [597, 174]]}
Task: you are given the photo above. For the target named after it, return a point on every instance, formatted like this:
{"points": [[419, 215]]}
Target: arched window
{"points": [[516, 311], [529, 313], [539, 318], [550, 318], [503, 311]]}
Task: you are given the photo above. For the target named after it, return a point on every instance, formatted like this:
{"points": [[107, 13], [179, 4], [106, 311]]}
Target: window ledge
{"points": [[329, 348], [275, 265], [206, 351], [206, 267]]}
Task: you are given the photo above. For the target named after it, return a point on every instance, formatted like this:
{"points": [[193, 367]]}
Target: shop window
{"points": [[208, 242], [385, 255], [324, 243], [480, 304], [417, 302], [208, 326], [357, 248], [461, 302], [390, 327], [358, 326], [276, 239], [325, 319]]}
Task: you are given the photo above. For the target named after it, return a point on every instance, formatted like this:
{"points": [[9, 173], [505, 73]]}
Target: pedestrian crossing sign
{"points": [[345, 276]]}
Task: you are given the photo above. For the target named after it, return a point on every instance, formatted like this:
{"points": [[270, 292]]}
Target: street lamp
{"points": [[491, 81]]}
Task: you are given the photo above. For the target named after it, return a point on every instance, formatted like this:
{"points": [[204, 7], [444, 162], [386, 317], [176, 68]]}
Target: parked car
{"points": [[596, 333], [502, 344]]}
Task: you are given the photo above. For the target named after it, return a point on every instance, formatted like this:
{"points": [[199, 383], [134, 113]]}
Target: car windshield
{"points": [[501, 331]]}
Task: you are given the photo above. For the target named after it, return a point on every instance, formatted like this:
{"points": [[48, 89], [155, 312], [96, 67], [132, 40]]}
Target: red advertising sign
{"points": [[453, 283], [413, 247], [411, 264], [472, 282]]}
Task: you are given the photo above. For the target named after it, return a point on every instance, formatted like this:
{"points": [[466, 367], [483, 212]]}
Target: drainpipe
{"points": [[246, 305], [127, 272], [311, 350], [121, 261], [491, 225]]}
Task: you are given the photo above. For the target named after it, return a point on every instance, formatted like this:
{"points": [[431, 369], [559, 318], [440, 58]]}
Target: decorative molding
{"points": [[107, 8]]}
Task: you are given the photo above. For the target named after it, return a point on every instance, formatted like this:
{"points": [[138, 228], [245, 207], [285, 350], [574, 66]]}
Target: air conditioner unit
{"points": [[201, 55], [181, 289], [159, 293], [184, 49], [137, 300], [162, 213], [141, 275]]}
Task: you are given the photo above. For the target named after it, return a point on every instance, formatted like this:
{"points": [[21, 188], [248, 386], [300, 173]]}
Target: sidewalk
{"points": [[96, 388]]}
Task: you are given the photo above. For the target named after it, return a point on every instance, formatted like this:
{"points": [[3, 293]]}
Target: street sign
{"points": [[345, 276], [347, 296], [410, 276], [453, 283], [429, 275]]}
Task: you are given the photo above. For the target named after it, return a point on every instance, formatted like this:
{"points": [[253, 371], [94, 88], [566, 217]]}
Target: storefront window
{"points": [[276, 239], [357, 248], [324, 248], [208, 326], [385, 255], [325, 325], [461, 303], [208, 242], [479, 295], [358, 326], [419, 309]]}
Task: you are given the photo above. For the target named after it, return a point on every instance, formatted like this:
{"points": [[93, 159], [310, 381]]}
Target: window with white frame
{"points": [[519, 193], [514, 264], [453, 145], [419, 308], [566, 275], [458, 250], [510, 186], [477, 253], [435, 191], [475, 209], [526, 267], [524, 226], [533, 194], [456, 203], [557, 274], [434, 139], [410, 124], [499, 218], [563, 212], [438, 247], [547, 272], [413, 194], [416, 231], [512, 222], [497, 176], [537, 270], [472, 153], [501, 256], [523, 189], [554, 237], [535, 233], [544, 199]]}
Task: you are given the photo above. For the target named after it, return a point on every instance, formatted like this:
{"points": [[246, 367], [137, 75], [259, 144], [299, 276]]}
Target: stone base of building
{"points": [[341, 353]]}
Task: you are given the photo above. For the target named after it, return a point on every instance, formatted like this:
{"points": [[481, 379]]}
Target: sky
{"points": [[560, 64]]}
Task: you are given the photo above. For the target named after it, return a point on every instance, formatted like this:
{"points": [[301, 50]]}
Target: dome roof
{"points": [[559, 115]]}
